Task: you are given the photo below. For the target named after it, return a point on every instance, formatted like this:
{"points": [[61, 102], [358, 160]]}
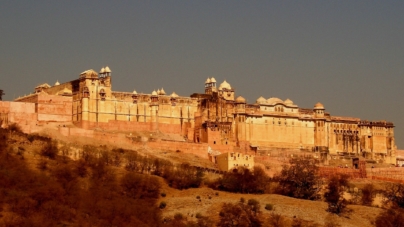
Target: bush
{"points": [[276, 220], [242, 180], [242, 200], [299, 179], [14, 128], [163, 194], [162, 205], [394, 193], [334, 195], [390, 217], [368, 194], [50, 150], [198, 197], [240, 213], [198, 215], [178, 216], [269, 207]]}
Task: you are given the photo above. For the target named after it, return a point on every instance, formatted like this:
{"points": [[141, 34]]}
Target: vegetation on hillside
{"points": [[60, 196]]}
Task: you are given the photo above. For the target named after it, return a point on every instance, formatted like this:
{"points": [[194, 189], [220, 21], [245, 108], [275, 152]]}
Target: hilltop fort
{"points": [[215, 118]]}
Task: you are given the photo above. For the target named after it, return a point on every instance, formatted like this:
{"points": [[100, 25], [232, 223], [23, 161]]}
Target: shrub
{"points": [[14, 128], [276, 220], [269, 207], [163, 194], [239, 213], [162, 205], [178, 216], [198, 197], [390, 217], [50, 150], [198, 215], [394, 193], [368, 194], [299, 179], [242, 200], [242, 180], [334, 195]]}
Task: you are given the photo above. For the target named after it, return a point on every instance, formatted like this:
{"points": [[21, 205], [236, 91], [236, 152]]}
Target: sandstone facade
{"points": [[214, 117]]}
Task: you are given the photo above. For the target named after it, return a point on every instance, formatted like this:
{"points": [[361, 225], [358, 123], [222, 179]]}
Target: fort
{"points": [[216, 118]]}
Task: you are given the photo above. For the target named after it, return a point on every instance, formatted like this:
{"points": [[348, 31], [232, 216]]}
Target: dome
{"points": [[207, 81], [57, 83], [66, 91], [162, 92], [134, 92], [240, 99], [261, 100], [318, 106], [288, 102], [107, 70], [102, 70], [224, 85], [174, 95], [158, 92], [213, 80], [274, 100], [154, 92]]}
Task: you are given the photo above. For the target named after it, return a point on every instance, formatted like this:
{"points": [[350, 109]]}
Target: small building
{"points": [[400, 158], [230, 160]]}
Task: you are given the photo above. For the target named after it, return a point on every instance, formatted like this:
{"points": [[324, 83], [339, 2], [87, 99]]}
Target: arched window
{"points": [[102, 94]]}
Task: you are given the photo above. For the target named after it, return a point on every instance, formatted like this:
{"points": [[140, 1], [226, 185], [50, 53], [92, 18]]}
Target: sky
{"points": [[348, 55]]}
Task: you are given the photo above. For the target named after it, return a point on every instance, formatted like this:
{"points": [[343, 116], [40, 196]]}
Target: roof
{"points": [[318, 106], [174, 95], [261, 100], [240, 99], [225, 85], [107, 70], [274, 100]]}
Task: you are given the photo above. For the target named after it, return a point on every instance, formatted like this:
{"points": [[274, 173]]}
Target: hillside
{"points": [[25, 151]]}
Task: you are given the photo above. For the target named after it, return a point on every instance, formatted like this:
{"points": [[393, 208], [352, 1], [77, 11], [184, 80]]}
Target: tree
{"points": [[368, 194], [299, 179], [334, 195], [394, 193], [240, 214], [390, 218], [244, 180]]}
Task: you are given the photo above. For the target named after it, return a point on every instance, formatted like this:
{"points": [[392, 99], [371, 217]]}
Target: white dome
{"points": [[274, 100], [288, 102], [154, 92], [134, 92], [102, 70], [240, 99], [224, 85], [207, 81], [213, 80], [107, 70], [162, 92], [261, 100], [174, 95], [57, 83]]}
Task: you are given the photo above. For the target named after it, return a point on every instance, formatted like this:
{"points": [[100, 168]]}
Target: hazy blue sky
{"points": [[347, 55]]}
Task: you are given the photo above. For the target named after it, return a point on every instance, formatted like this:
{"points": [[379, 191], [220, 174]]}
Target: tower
{"points": [[320, 128], [210, 86]]}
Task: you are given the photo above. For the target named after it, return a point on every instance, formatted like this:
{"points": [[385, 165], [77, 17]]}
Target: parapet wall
{"points": [[133, 126]]}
